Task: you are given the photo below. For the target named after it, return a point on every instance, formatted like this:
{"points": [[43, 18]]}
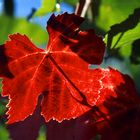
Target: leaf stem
{"points": [[82, 7]]}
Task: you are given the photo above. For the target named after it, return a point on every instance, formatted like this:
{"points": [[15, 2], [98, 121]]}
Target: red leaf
{"points": [[58, 72], [123, 112], [65, 34], [118, 114]]}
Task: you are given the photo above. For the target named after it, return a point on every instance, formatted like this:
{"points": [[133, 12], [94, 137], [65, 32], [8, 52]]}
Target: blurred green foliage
{"points": [[42, 133], [115, 11], [11, 25], [2, 109], [4, 135], [71, 2], [47, 6]]}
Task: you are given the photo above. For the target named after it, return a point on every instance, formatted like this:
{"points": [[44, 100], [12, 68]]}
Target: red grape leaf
{"points": [[84, 43], [115, 117], [58, 72], [118, 116], [123, 113]]}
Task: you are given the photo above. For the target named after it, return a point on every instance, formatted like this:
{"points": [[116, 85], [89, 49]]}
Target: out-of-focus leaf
{"points": [[72, 2], [42, 133], [2, 109], [46, 7], [0, 85], [135, 55], [115, 11], [135, 70], [3, 102], [10, 25], [4, 135]]}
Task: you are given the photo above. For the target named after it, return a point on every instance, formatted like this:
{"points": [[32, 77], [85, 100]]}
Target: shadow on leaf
{"points": [[129, 23], [4, 70]]}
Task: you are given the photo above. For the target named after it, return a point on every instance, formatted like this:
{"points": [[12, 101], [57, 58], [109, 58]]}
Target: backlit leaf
{"points": [[47, 6], [58, 72], [13, 25], [115, 116]]}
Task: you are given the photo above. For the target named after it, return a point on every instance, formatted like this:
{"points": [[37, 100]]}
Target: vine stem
{"points": [[82, 7]]}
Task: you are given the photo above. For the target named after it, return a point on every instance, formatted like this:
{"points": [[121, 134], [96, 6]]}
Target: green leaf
{"points": [[4, 135], [11, 25], [135, 71], [42, 133], [115, 11], [47, 6], [72, 2], [119, 18], [125, 42], [2, 109]]}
